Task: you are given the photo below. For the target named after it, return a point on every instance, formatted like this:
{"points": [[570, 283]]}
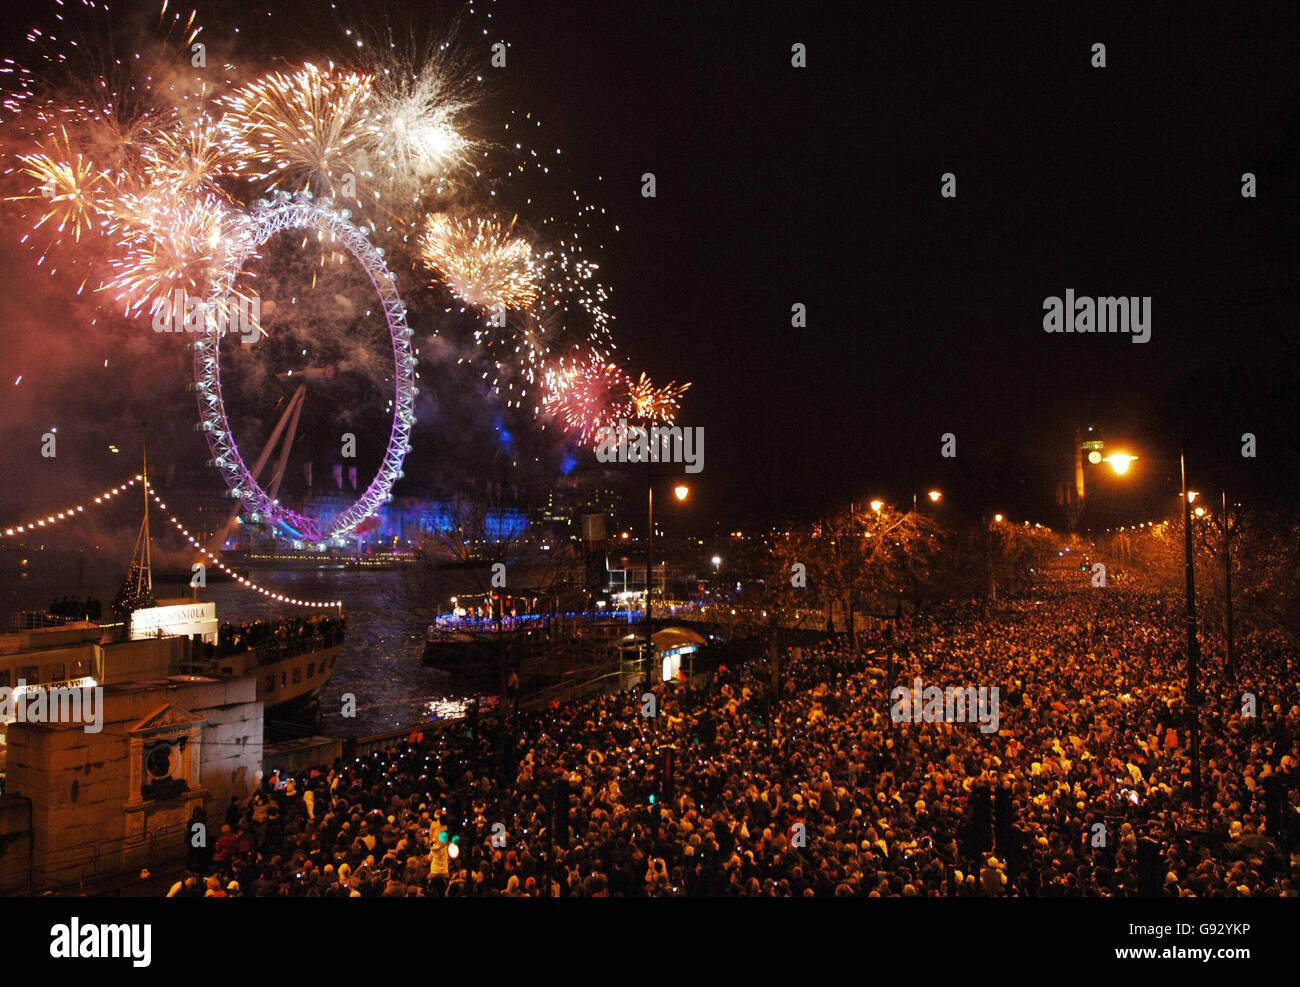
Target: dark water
{"points": [[380, 661]]}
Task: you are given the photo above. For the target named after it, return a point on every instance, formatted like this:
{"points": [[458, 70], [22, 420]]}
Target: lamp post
{"points": [[1193, 645], [681, 491], [993, 582], [1227, 591], [1120, 463], [649, 568]]}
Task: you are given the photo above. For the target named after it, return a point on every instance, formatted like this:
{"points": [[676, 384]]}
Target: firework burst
{"points": [[483, 264], [191, 158], [589, 394], [415, 130], [171, 244], [653, 405], [77, 194], [584, 395], [301, 131]]}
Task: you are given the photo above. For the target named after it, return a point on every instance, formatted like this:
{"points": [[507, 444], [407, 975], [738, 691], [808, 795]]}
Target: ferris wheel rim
{"points": [[271, 216]]}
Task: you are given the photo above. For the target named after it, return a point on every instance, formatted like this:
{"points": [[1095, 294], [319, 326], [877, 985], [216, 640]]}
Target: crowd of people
{"points": [[235, 638], [75, 608], [800, 783]]}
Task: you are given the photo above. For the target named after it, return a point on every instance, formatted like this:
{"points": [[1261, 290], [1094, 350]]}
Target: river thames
{"points": [[380, 662]]}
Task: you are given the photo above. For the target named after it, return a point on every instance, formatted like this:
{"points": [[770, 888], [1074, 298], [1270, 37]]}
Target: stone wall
{"points": [[15, 843], [95, 807]]}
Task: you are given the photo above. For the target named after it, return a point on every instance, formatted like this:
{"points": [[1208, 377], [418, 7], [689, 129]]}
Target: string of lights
{"points": [[111, 492], [71, 512], [1144, 525], [242, 580]]}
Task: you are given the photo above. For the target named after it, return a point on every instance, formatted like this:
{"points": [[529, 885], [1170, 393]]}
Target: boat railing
{"points": [[270, 652], [266, 652], [31, 620]]}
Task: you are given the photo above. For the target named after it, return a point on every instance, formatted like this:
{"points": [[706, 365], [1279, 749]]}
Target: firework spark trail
{"points": [[519, 351]]}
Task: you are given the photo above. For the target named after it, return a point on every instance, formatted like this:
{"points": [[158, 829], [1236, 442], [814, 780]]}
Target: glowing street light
{"points": [[716, 560], [681, 491], [1120, 462], [997, 518], [935, 496], [876, 505]]}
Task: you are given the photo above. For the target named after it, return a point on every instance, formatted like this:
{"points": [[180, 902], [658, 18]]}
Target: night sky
{"points": [[821, 185]]}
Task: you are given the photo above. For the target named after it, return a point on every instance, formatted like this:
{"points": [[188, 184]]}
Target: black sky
{"points": [[779, 185]]}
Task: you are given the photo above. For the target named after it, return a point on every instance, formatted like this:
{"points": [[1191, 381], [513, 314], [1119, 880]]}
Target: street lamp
{"points": [[877, 505], [997, 518], [1120, 463], [934, 495], [681, 491]]}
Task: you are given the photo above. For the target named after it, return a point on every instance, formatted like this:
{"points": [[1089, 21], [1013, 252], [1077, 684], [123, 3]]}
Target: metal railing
{"points": [[567, 691], [81, 866]]}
